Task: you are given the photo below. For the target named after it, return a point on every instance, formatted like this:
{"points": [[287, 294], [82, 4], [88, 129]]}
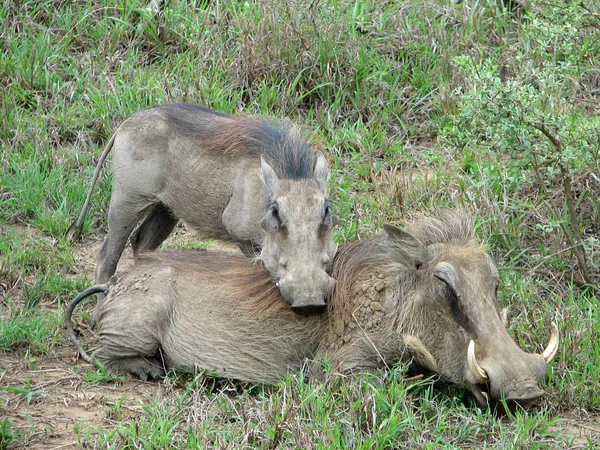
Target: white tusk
{"points": [[477, 372], [422, 355], [552, 347]]}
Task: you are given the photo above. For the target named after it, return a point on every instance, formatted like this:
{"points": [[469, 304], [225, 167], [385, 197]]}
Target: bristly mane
{"points": [[285, 147], [242, 277], [444, 226], [286, 150]]}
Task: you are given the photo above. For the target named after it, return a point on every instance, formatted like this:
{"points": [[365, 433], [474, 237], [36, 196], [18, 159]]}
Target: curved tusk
{"points": [[477, 372], [552, 347], [422, 355]]}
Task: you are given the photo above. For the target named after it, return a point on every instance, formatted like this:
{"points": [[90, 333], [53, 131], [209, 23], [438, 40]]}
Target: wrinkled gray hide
{"points": [[194, 307], [424, 296], [233, 178]]}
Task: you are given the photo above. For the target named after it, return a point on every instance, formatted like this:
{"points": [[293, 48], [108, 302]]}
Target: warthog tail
{"points": [[97, 288], [76, 227]]}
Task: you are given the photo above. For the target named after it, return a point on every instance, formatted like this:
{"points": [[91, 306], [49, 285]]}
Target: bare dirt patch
{"points": [[582, 429], [47, 400]]}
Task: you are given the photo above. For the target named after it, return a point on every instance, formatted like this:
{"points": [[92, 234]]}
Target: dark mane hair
{"points": [[241, 276], [285, 147]]}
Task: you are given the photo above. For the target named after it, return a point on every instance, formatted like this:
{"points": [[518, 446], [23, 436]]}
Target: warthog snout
{"points": [[306, 290], [509, 373], [514, 382]]}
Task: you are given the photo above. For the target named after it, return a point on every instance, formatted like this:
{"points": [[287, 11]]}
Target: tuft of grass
{"points": [[30, 393], [8, 434], [34, 332], [97, 376]]}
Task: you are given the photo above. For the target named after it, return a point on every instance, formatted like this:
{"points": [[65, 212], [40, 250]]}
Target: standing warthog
{"points": [[232, 178], [429, 295]]}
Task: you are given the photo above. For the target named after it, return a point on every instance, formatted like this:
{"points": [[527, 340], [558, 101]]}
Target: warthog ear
{"points": [[269, 178], [406, 248], [321, 172]]}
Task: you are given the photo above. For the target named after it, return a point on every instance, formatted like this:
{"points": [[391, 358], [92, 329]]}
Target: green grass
{"points": [[98, 376], [33, 332], [8, 434], [362, 412], [405, 97]]}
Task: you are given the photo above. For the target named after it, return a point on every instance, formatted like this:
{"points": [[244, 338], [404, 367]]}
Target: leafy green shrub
{"points": [[530, 115]]}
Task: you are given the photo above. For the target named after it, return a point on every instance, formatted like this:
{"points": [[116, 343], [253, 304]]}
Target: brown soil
{"points": [[61, 399]]}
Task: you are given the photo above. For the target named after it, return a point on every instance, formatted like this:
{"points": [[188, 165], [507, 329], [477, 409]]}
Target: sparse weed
{"points": [[29, 392], [8, 434], [31, 331], [100, 375]]}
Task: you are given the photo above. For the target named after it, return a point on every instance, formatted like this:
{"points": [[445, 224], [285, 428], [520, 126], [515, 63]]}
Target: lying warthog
{"points": [[429, 296], [214, 172]]}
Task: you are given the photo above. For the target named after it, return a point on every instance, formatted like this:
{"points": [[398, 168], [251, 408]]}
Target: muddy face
{"points": [[459, 329], [298, 245]]}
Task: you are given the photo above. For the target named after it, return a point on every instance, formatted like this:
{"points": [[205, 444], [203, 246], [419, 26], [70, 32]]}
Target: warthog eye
{"points": [[273, 218], [454, 299], [327, 215]]}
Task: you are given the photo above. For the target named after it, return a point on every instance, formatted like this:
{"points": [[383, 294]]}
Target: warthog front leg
{"points": [[155, 228], [249, 249]]}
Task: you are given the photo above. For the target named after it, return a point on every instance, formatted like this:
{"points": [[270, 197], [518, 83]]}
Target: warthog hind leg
{"points": [[121, 221], [155, 228], [145, 368], [122, 218]]}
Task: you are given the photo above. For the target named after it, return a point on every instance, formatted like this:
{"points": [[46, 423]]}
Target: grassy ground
{"points": [[420, 103]]}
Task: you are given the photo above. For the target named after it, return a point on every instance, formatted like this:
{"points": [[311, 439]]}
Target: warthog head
{"points": [[453, 323], [298, 245]]}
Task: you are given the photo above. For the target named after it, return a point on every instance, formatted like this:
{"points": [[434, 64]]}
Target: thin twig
{"points": [[48, 370], [589, 11], [548, 273], [587, 427], [53, 382], [572, 235], [65, 445], [579, 250], [415, 378]]}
